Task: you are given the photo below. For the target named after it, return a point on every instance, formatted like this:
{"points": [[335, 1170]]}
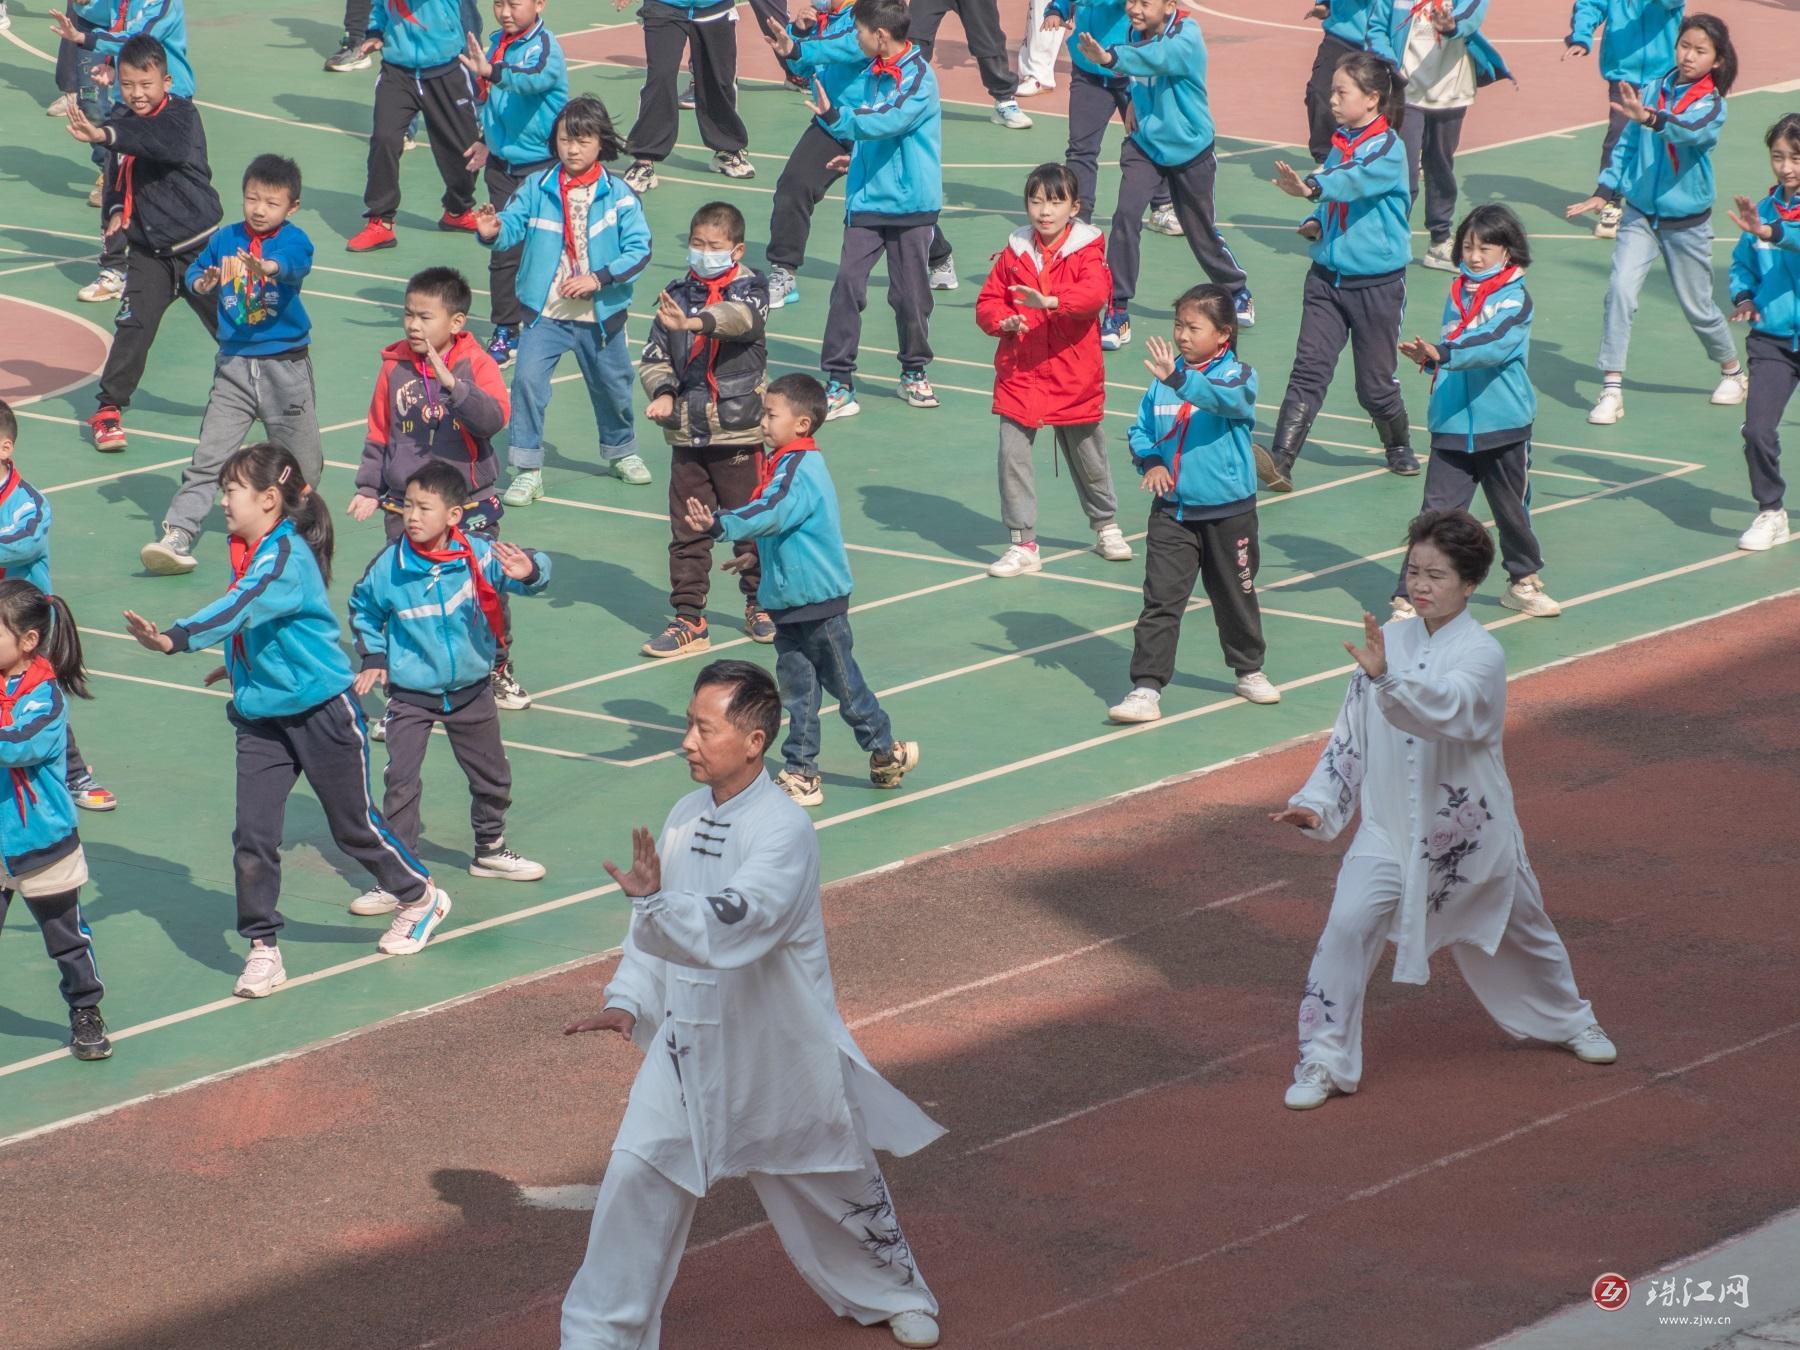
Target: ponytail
{"points": [[264, 466], [25, 609], [1379, 78]]}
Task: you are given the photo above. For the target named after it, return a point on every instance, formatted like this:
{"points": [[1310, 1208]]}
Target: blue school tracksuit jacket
{"points": [[260, 315], [1639, 41], [1768, 272], [278, 630], [618, 241], [1481, 394], [1363, 208], [1197, 425], [37, 815], [1364, 24], [25, 534], [1665, 169], [893, 124], [527, 90], [161, 19], [418, 35], [794, 520], [1168, 90], [829, 55], [421, 621], [1105, 19]]}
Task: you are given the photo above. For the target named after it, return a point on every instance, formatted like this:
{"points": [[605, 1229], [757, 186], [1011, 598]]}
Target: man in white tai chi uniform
{"points": [[748, 1067]]}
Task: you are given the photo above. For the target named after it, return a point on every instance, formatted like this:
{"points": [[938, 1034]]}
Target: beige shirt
{"points": [[1439, 73], [557, 307], [65, 874]]}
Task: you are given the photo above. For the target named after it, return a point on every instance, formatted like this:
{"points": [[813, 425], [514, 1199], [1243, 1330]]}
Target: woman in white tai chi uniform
{"points": [[748, 1067], [1439, 858]]}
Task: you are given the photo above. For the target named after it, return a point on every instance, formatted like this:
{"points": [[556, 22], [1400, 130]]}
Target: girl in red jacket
{"points": [[1043, 300]]}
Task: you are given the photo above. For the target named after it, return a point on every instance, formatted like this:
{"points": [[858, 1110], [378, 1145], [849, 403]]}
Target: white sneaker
{"points": [[1610, 408], [503, 864], [1732, 390], [1255, 688], [1403, 609], [783, 289], [914, 1328], [1611, 217], [1142, 704], [1527, 596], [1164, 220], [414, 924], [943, 275], [1008, 114], [1593, 1046], [1030, 88], [1438, 258], [1016, 561], [1110, 543], [263, 972], [1767, 530], [61, 106], [376, 901], [806, 791], [109, 285], [1310, 1088], [526, 487]]}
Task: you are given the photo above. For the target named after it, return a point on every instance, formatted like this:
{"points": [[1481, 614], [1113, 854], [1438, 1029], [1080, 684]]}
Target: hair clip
{"points": [[282, 477]]}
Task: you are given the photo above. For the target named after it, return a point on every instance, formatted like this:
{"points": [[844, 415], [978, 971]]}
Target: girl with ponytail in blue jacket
{"points": [[1637, 45]]}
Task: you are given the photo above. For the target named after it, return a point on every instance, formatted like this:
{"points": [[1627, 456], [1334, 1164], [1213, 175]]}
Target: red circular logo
{"points": [[1611, 1292]]}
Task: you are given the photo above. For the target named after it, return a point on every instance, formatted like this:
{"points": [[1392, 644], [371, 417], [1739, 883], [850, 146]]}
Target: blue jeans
{"points": [[1688, 255], [815, 653], [605, 369]]}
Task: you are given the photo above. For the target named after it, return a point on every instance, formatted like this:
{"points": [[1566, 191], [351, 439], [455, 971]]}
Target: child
{"points": [[438, 399], [419, 44], [1171, 143], [703, 371], [1765, 287], [1662, 170], [889, 113], [707, 29], [1637, 47], [585, 238], [1349, 26], [1482, 402], [427, 623], [1191, 444], [291, 707], [159, 198], [40, 663], [87, 74], [1043, 301], [1356, 288], [264, 369], [806, 588], [984, 40], [521, 83], [25, 556]]}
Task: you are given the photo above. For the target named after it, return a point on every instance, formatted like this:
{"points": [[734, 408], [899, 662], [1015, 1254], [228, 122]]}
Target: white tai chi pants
{"points": [[1038, 49], [1526, 985], [839, 1229]]}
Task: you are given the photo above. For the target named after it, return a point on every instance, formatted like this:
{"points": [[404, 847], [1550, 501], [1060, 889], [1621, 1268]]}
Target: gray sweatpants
{"points": [[276, 391], [1083, 448], [474, 733], [909, 292]]}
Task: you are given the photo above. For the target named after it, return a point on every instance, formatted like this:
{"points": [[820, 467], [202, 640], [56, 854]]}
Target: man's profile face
{"points": [[715, 748]]}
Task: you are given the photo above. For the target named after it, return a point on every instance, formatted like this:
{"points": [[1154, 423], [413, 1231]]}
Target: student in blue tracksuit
{"points": [[1637, 46], [1349, 26], [1191, 446], [40, 666], [1355, 291], [1661, 170], [707, 31], [1765, 292], [1170, 145], [1482, 402], [1096, 94], [115, 25], [521, 84], [292, 708], [427, 623], [805, 588]]}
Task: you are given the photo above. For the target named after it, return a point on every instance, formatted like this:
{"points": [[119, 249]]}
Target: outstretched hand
{"points": [[1161, 362], [607, 1019], [645, 876], [820, 105], [1421, 352], [1631, 104], [1091, 48], [475, 60], [699, 516], [1372, 655], [1288, 179], [1297, 816], [1744, 216], [1582, 207], [514, 561], [147, 633], [780, 41]]}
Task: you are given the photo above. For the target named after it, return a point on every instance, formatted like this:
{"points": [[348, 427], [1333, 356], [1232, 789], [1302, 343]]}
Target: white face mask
{"points": [[709, 262]]}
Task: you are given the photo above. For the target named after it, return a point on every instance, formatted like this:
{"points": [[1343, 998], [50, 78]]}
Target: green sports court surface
{"points": [[1005, 683]]}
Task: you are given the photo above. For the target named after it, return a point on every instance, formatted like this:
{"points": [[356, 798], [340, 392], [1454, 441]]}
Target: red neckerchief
{"points": [[495, 57], [580, 180], [1049, 253], [404, 10], [6, 490], [38, 672], [1467, 311], [1186, 415], [1698, 90], [1791, 214], [882, 66], [715, 292], [242, 555], [1347, 147], [119, 23], [462, 550], [1420, 6], [256, 280], [820, 19], [768, 465], [122, 176]]}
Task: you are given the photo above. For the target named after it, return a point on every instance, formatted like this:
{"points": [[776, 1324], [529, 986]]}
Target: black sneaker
{"points": [[1401, 460], [350, 56], [87, 1034]]}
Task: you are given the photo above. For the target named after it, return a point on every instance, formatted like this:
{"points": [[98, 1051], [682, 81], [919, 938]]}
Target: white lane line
{"points": [[104, 477]]}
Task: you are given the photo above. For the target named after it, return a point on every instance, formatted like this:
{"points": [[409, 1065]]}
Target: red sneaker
{"points": [[107, 429], [464, 222], [378, 233]]}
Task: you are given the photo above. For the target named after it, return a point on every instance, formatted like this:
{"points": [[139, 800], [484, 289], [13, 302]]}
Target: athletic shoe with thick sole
{"points": [[349, 57], [1731, 390], [1608, 409], [1766, 531], [508, 692], [414, 924], [263, 972], [87, 1034], [840, 401], [733, 164], [916, 390], [107, 430], [758, 626], [375, 234], [376, 901], [526, 487], [1527, 596], [629, 469], [1140, 705], [641, 176], [90, 796], [1256, 688], [501, 863], [170, 556], [1110, 543], [783, 289], [806, 791], [109, 285], [886, 771], [1017, 561], [681, 638]]}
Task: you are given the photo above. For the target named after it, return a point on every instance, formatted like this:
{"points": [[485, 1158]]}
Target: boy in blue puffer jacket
{"points": [[1191, 445], [1637, 46], [806, 589], [426, 619]]}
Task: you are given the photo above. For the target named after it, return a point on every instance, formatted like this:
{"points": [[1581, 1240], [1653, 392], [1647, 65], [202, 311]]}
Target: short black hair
{"points": [[584, 116], [1786, 128], [1052, 182], [1725, 62], [1459, 537], [884, 16], [443, 480], [445, 284], [722, 214], [1492, 223], [9, 422], [755, 701], [276, 171], [804, 395], [144, 52], [1215, 303]]}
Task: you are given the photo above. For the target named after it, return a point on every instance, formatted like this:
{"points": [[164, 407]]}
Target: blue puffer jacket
{"points": [[1363, 208], [525, 93], [1768, 272], [1364, 24], [1481, 394], [894, 127], [1105, 19], [618, 239], [1197, 425], [1168, 90], [829, 55], [161, 19], [794, 520], [421, 621], [418, 35], [258, 315], [24, 532], [1665, 169], [289, 659], [37, 824], [1639, 42]]}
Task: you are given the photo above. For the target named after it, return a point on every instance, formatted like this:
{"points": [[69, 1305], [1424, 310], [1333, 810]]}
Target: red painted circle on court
{"points": [[1611, 1292], [44, 351]]}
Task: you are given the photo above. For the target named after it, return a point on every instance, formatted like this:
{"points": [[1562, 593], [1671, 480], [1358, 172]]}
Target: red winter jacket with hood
{"points": [[1052, 374], [412, 421]]}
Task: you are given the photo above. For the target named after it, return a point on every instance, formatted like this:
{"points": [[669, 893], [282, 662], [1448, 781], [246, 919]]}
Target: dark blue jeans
{"points": [[813, 654]]}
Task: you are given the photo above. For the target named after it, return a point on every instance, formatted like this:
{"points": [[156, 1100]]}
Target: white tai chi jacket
{"points": [[748, 1066], [1419, 750]]}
